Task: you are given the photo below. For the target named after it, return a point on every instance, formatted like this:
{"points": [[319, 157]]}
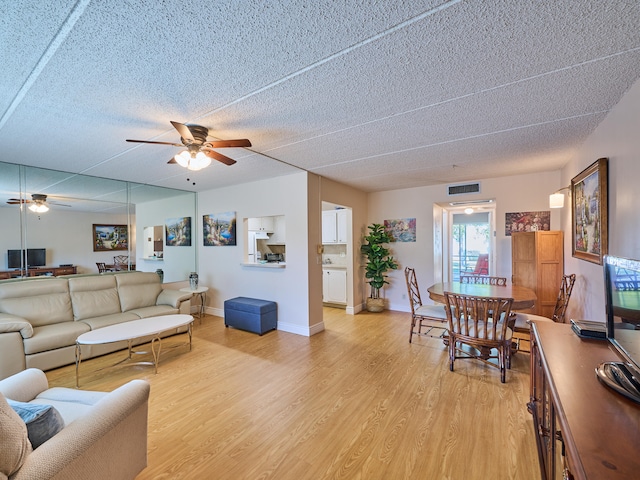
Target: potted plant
{"points": [[379, 262]]}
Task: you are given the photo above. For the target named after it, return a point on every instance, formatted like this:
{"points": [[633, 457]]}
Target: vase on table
{"points": [[193, 281]]}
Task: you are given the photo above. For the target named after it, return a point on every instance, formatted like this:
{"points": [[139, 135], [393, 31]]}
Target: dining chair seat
{"points": [[431, 318], [432, 311]]}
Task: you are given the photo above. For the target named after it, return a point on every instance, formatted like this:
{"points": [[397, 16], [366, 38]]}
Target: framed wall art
{"points": [[219, 229], [589, 212], [401, 230], [527, 222], [178, 232], [110, 237]]}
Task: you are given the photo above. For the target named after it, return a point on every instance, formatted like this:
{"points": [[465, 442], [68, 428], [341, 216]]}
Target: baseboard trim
{"points": [[301, 330]]}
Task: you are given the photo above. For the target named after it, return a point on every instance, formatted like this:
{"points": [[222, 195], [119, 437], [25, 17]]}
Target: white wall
{"points": [[220, 267], [67, 236], [512, 194], [618, 139]]}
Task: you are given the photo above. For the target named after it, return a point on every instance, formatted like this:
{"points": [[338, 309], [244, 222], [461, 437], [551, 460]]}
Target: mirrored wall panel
{"points": [[56, 223]]}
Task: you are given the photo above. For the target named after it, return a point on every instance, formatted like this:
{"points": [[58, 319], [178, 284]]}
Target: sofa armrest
{"points": [[24, 386], [109, 442], [172, 297], [13, 323]]}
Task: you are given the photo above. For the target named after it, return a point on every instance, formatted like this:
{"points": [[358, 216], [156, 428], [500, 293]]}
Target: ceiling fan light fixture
{"points": [[183, 159], [192, 161], [38, 208], [199, 161]]}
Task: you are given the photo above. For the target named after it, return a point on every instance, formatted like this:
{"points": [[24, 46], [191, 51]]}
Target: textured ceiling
{"points": [[378, 95]]}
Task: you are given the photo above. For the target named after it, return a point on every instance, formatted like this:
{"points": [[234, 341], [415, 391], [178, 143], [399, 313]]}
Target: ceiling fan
{"points": [[38, 203], [199, 151]]}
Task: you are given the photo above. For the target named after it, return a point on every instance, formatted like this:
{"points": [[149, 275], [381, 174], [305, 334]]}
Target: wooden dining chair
{"points": [[477, 327], [430, 317], [102, 267], [121, 262], [522, 324], [484, 279]]}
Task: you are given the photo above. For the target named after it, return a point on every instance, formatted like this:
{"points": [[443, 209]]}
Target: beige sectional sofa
{"points": [[41, 318], [104, 434]]}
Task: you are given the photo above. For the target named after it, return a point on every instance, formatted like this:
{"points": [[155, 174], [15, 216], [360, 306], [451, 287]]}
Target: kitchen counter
{"points": [[265, 265]]}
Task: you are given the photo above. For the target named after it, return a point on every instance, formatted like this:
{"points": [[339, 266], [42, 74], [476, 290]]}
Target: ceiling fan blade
{"points": [[156, 143], [17, 201], [59, 204], [173, 160], [241, 142], [217, 156], [184, 131]]}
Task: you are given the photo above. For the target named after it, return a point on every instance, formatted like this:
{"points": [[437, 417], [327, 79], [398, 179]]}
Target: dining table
{"points": [[523, 297]]}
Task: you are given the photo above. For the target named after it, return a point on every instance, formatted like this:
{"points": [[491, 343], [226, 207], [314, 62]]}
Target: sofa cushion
{"points": [[70, 402], [50, 337], [138, 289], [94, 295], [106, 320], [14, 440], [11, 323], [43, 421], [154, 311], [42, 302]]}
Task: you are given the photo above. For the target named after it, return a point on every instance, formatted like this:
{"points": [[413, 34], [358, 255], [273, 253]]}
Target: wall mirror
{"points": [[74, 203]]}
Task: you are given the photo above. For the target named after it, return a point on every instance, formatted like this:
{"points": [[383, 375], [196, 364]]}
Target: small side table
{"points": [[202, 293]]}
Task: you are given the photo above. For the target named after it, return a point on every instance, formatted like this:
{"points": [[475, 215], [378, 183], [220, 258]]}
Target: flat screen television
{"points": [[36, 257], [622, 300], [13, 259]]}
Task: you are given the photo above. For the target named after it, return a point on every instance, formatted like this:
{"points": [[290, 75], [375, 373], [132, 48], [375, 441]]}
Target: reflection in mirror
{"points": [[75, 203], [153, 243]]}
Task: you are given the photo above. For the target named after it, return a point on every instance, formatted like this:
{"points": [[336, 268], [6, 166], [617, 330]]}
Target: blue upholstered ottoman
{"points": [[251, 314]]}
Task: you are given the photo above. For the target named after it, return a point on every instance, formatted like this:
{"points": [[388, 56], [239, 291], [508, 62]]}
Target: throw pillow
{"points": [[43, 421], [14, 443]]}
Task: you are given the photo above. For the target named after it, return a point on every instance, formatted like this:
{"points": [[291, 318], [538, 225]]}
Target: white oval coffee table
{"points": [[130, 331]]}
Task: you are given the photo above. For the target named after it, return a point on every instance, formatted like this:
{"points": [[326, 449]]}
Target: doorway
{"points": [[469, 239]]}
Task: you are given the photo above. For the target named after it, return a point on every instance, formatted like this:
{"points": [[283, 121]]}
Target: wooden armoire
{"points": [[538, 263]]}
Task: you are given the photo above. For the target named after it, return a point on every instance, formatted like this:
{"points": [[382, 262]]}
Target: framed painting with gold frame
{"points": [[110, 237], [589, 212]]}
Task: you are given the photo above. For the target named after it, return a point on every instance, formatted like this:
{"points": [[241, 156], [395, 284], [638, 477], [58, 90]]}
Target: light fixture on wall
{"points": [[468, 210], [556, 199]]}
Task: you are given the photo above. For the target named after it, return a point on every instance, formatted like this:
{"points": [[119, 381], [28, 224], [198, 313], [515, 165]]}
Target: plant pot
{"points": [[375, 305]]}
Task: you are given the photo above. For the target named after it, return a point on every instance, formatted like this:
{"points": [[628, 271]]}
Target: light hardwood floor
{"points": [[356, 401]]}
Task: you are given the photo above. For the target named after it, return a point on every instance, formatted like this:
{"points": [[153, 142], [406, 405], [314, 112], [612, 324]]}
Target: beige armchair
{"points": [[105, 434]]}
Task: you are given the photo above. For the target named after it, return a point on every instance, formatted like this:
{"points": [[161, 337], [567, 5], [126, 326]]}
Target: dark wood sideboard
{"points": [[36, 272], [583, 429]]}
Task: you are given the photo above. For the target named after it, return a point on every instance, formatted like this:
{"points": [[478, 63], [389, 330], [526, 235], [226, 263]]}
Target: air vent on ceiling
{"points": [[461, 189]]}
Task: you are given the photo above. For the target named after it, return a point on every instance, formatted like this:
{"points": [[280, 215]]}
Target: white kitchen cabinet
{"points": [[334, 226], [341, 225], [334, 285], [329, 226], [279, 231], [260, 224]]}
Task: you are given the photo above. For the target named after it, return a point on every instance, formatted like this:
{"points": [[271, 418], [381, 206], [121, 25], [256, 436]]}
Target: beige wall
{"points": [[617, 139], [334, 192], [512, 194]]}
